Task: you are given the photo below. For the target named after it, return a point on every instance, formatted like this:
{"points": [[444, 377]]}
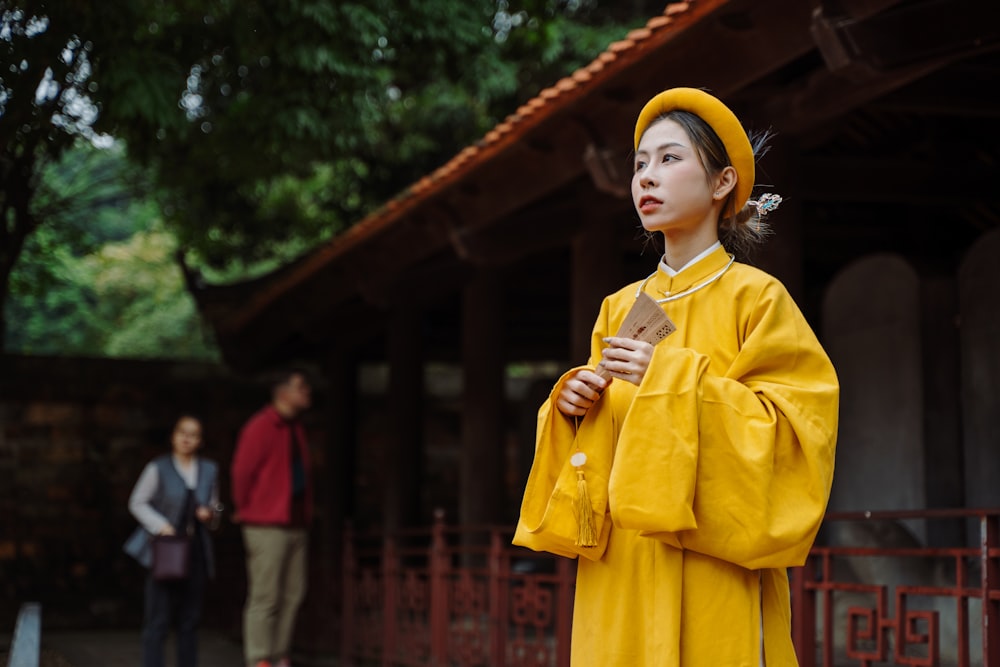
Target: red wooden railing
{"points": [[463, 596], [947, 613]]}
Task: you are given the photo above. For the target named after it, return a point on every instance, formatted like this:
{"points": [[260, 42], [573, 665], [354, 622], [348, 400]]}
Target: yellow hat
{"points": [[718, 116]]}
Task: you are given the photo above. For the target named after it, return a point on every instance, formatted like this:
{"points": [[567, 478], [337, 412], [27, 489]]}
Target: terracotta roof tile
{"points": [[639, 34], [658, 22], [677, 8], [566, 84], [608, 57], [595, 67], [466, 154], [618, 47]]}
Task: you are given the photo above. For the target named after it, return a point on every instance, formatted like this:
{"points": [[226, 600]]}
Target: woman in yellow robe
{"points": [[709, 456]]}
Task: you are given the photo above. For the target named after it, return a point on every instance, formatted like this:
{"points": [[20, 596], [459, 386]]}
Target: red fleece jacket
{"points": [[262, 469]]}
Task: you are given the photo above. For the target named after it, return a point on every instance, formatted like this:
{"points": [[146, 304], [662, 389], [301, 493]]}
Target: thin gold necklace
{"points": [[692, 290]]}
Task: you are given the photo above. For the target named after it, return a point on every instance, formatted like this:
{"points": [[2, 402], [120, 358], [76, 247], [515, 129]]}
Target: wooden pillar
{"points": [[335, 493], [595, 273], [481, 468], [781, 255], [340, 371], [404, 459], [943, 458]]}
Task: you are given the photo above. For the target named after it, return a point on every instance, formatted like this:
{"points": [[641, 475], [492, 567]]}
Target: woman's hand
{"points": [[167, 530], [580, 392], [627, 359], [204, 514]]}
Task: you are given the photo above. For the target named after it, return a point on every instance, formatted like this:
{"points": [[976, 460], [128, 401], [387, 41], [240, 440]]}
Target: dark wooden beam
{"points": [[882, 56], [910, 34], [546, 224], [824, 96], [958, 92], [868, 179]]}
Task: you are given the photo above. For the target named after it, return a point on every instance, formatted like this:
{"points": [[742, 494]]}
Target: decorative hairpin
{"points": [[766, 203]]}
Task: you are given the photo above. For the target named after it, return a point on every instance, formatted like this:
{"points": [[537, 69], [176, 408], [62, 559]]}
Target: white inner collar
{"points": [[694, 260]]}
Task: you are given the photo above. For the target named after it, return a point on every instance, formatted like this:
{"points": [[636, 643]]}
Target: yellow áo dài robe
{"points": [[707, 480]]}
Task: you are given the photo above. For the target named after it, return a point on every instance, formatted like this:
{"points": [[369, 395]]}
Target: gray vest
{"points": [[170, 500]]}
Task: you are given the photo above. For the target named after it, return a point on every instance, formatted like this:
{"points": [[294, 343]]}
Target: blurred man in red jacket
{"points": [[272, 496]]}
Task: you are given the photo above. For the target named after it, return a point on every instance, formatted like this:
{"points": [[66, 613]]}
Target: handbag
{"points": [[171, 557]]}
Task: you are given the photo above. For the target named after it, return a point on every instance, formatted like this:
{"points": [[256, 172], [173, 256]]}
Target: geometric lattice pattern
{"points": [[466, 598], [457, 598]]}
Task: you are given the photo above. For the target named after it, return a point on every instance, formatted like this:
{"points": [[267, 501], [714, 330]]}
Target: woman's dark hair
{"points": [[281, 376], [188, 415], [740, 231]]}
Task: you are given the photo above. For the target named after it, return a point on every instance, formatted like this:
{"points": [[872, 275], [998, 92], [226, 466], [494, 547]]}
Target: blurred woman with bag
{"points": [[177, 494]]}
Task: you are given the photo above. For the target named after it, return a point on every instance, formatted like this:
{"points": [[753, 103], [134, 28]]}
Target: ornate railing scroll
{"points": [[871, 595], [461, 597]]}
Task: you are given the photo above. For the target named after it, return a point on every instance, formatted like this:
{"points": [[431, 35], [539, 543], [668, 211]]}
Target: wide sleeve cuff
{"points": [[549, 519]]}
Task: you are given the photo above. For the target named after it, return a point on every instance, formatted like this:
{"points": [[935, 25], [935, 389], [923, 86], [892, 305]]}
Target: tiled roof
{"points": [[608, 64]]}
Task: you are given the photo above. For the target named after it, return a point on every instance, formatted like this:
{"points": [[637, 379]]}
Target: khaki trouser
{"points": [[276, 586]]}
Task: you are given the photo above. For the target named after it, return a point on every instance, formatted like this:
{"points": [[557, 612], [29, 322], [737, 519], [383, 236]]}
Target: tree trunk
{"points": [[10, 249], [16, 224], [4, 285]]}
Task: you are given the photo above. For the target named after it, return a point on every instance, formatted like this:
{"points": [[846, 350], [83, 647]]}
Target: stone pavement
{"points": [[122, 649]]}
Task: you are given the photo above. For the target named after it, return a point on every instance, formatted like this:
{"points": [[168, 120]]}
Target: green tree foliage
{"points": [[101, 278], [44, 71], [126, 299], [141, 295], [269, 125], [297, 118]]}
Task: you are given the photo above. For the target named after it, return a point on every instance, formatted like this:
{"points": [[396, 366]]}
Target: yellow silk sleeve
{"points": [[549, 520]]}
